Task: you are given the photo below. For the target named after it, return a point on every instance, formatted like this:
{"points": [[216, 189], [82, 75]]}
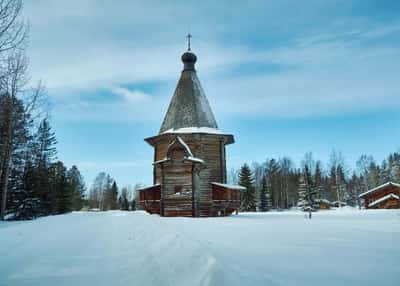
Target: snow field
{"points": [[337, 247]]}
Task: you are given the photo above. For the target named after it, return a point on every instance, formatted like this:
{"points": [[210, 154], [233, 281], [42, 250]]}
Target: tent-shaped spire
{"points": [[189, 106]]}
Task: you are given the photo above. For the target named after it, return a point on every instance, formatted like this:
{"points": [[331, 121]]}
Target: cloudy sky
{"points": [[285, 77]]}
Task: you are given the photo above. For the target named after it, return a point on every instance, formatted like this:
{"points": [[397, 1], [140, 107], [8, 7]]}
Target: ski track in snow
{"points": [[338, 247]]}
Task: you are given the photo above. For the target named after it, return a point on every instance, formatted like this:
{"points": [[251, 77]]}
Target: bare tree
{"points": [[13, 28], [12, 84], [337, 165], [13, 79], [308, 160], [286, 166]]}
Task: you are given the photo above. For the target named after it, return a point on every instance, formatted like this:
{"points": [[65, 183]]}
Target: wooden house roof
{"points": [[189, 106], [178, 141], [378, 188], [148, 188], [229, 187], [385, 198]]}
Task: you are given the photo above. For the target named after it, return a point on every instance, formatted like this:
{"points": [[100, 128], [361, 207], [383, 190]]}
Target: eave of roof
{"points": [[228, 138], [147, 188], [230, 187]]}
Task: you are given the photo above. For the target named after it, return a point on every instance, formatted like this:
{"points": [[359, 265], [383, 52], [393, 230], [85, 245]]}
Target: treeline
{"points": [[104, 195], [32, 182], [278, 184]]}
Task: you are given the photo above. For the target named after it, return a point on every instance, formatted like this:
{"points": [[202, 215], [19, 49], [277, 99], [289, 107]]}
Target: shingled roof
{"points": [[189, 106]]}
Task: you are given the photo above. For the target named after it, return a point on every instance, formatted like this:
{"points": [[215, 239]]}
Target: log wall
{"points": [[196, 196]]}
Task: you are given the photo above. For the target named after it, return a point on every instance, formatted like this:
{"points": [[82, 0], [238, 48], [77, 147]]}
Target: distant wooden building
{"points": [[386, 196], [189, 169], [338, 204], [324, 204]]}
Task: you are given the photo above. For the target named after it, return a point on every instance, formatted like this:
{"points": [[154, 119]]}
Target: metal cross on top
{"points": [[188, 38]]}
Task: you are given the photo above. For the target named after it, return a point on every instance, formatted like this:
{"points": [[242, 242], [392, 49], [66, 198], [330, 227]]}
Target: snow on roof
{"points": [[379, 188], [337, 202], [188, 153], [391, 195], [161, 161], [148, 187], [189, 105], [194, 159], [207, 130], [323, 201], [183, 143], [227, 186]]}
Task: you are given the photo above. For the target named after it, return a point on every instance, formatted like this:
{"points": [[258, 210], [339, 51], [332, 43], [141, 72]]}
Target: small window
{"points": [[178, 190]]}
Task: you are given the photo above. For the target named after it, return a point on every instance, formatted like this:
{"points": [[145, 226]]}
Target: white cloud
{"points": [[79, 48], [131, 96]]}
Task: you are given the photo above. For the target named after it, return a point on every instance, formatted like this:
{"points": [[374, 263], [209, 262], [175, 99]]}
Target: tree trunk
{"points": [[8, 147], [4, 189], [6, 163]]}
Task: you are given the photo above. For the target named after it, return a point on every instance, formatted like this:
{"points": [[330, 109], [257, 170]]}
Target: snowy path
{"points": [[125, 248]]}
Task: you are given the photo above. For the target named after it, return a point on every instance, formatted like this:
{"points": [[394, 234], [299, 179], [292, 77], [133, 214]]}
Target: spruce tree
{"points": [[123, 200], [353, 190], [78, 189], [318, 180], [112, 197], [341, 189], [273, 174], [133, 205], [105, 191], [248, 196], [264, 196], [14, 137], [307, 193], [46, 144], [384, 173], [61, 193], [395, 171], [45, 155], [28, 202]]}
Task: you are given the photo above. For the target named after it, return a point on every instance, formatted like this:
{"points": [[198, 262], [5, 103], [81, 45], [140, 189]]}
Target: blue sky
{"points": [[285, 77]]}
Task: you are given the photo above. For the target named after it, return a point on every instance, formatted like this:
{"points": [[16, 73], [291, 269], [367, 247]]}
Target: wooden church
{"points": [[189, 169]]}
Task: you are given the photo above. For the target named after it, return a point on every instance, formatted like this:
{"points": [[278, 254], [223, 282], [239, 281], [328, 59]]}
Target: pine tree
{"points": [[272, 172], [14, 137], [285, 166], [112, 197], [123, 200], [263, 196], [46, 143], [384, 173], [395, 171], [248, 196], [44, 156], [373, 175], [78, 189], [133, 205], [28, 203], [353, 190], [341, 185], [307, 193], [318, 180], [61, 199]]}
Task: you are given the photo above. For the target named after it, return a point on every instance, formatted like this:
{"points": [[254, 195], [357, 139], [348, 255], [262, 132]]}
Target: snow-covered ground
{"points": [[338, 247]]}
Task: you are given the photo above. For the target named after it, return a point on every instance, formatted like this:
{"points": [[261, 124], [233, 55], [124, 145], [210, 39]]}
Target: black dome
{"points": [[188, 59]]}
